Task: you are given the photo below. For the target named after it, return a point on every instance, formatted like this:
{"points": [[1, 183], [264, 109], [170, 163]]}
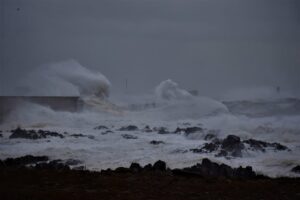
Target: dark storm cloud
{"points": [[210, 45]]}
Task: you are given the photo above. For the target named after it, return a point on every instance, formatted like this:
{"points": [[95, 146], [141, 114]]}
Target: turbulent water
{"points": [[272, 120]]}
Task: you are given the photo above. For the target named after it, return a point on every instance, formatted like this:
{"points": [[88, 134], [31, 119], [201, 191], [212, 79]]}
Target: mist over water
{"points": [[272, 118]]}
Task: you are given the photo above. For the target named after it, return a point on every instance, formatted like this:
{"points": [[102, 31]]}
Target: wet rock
{"points": [[296, 169], [23, 161], [207, 148], [194, 129], [261, 145], [81, 135], [79, 168], [148, 167], [189, 130], [179, 130], [209, 136], [122, 170], [52, 165], [129, 128], [161, 130], [159, 166], [71, 162], [233, 145], [32, 134], [147, 129], [101, 127], [135, 167], [127, 136], [211, 169], [106, 132], [222, 153], [155, 142]]}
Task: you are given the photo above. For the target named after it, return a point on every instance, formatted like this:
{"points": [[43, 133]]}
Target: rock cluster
{"points": [[81, 135], [156, 142], [129, 128], [129, 137], [211, 169], [38, 162], [296, 169], [232, 146], [23, 161], [32, 134]]}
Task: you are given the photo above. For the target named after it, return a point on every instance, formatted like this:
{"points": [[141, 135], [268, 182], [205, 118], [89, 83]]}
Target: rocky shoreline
{"points": [[36, 177]]}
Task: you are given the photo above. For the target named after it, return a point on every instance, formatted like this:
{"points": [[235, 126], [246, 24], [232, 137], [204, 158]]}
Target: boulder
{"points": [[127, 136], [233, 145], [129, 128], [159, 166], [135, 167], [155, 142], [147, 129], [101, 127], [23, 161], [32, 134], [296, 169]]}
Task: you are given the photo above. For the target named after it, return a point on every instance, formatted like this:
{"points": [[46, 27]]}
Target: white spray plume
{"points": [[169, 90], [67, 78]]}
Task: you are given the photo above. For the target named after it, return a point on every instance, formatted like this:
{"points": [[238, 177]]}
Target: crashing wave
{"points": [[67, 78], [169, 90]]}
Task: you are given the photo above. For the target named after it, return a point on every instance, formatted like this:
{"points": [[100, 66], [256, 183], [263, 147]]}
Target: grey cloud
{"points": [[210, 45]]}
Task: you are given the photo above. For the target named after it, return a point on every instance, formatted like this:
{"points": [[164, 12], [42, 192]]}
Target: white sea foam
{"points": [[170, 107]]}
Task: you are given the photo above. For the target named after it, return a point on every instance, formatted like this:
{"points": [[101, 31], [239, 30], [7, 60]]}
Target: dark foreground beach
{"points": [[208, 180]]}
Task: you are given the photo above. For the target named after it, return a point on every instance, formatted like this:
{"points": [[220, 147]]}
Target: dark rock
{"points": [[100, 127], [159, 166], [210, 147], [222, 153], [1, 135], [135, 167], [209, 136], [91, 137], [129, 128], [233, 145], [155, 142], [122, 170], [127, 136], [52, 165], [161, 130], [32, 134], [261, 145], [211, 169], [148, 167], [147, 129], [256, 144], [279, 147], [194, 129], [81, 135], [23, 161], [79, 168], [71, 162], [179, 130], [106, 132], [189, 130], [296, 169]]}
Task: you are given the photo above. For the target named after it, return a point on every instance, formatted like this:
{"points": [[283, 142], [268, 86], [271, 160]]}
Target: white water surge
{"points": [[169, 106]]}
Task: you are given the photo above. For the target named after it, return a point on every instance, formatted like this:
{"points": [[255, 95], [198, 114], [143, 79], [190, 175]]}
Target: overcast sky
{"points": [[209, 45]]}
